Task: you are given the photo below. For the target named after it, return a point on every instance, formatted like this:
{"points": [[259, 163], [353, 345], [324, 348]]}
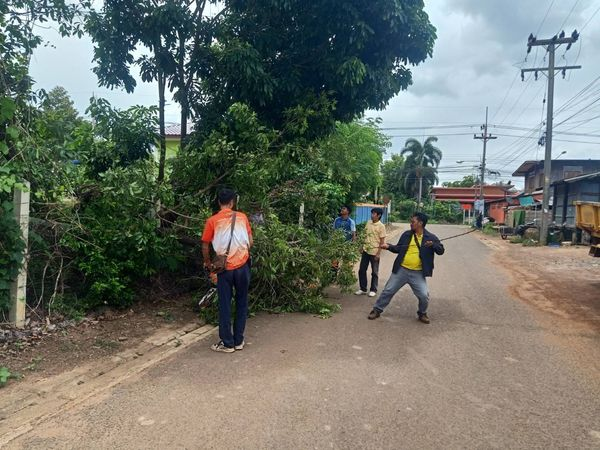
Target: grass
{"points": [[34, 363], [106, 344], [489, 229], [530, 243], [166, 315]]}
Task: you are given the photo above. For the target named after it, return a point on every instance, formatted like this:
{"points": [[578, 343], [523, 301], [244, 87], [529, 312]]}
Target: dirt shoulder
{"points": [[97, 336], [564, 282], [563, 286]]}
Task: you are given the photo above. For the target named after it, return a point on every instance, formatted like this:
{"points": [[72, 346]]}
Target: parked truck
{"points": [[588, 219]]}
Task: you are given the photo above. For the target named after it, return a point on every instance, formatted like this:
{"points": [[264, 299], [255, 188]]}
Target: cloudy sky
{"points": [[476, 62]]}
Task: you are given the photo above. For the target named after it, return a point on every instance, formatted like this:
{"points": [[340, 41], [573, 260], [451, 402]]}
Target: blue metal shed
{"points": [[361, 212]]}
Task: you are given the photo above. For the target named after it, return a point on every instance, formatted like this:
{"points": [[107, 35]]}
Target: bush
{"points": [[117, 241], [293, 265]]}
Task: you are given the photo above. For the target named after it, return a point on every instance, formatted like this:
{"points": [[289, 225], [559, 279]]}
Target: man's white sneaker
{"points": [[360, 292], [372, 294], [241, 346], [220, 347]]}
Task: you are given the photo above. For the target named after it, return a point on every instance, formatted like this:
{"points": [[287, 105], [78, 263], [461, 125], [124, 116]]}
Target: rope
{"points": [[458, 235], [444, 239]]}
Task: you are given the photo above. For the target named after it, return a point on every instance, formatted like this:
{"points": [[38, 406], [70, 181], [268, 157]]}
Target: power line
{"points": [[590, 19], [429, 127], [581, 123], [556, 132], [507, 92], [578, 112], [528, 81], [567, 104], [557, 140], [522, 63], [588, 96], [568, 15], [545, 17]]}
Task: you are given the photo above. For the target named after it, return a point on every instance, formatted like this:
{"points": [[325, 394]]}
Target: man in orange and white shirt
{"points": [[236, 276]]}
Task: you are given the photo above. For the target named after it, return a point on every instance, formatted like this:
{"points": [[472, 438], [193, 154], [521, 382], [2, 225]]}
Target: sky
{"points": [[480, 49]]}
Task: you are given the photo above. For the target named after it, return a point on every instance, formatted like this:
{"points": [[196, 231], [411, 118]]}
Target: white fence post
{"points": [[18, 288], [301, 217]]}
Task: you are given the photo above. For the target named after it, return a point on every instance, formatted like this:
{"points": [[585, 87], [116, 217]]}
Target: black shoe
{"points": [[374, 314], [423, 318]]}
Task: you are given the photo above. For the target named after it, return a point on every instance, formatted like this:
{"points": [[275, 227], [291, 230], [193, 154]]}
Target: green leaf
{"points": [[13, 132], [4, 375], [7, 109]]}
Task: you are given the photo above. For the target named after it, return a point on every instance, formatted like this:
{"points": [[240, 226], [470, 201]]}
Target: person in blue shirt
{"points": [[345, 223]]}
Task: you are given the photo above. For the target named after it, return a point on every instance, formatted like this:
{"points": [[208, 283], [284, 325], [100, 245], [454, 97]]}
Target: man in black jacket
{"points": [[415, 249]]}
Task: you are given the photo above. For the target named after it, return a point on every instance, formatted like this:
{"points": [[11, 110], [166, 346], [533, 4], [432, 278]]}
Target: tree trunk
{"points": [[420, 191], [161, 125], [183, 91]]}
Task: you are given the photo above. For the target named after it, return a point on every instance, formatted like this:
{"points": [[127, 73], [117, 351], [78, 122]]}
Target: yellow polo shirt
{"points": [[412, 260]]}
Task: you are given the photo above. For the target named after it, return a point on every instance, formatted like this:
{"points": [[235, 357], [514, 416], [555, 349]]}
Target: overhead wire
{"points": [[579, 112], [520, 145], [568, 16], [590, 19], [522, 63]]}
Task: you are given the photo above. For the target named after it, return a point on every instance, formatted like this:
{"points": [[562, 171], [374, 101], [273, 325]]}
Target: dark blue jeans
{"points": [[227, 282]]}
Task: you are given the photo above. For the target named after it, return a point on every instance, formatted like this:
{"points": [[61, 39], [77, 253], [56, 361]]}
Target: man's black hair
{"points": [[225, 196], [379, 212], [347, 207], [421, 217]]}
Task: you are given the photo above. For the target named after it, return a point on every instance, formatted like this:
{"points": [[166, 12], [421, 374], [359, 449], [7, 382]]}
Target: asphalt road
{"points": [[483, 374]]}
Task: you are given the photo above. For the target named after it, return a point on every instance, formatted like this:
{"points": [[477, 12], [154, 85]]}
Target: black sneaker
{"points": [[423, 318], [374, 314]]}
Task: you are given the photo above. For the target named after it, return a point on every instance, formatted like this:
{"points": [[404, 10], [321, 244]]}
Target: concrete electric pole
{"points": [[485, 137], [551, 46]]}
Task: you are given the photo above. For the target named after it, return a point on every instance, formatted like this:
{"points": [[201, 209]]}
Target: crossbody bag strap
{"points": [[231, 235], [417, 241]]}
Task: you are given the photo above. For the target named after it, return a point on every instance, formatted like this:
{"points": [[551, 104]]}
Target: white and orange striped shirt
{"points": [[217, 232]]}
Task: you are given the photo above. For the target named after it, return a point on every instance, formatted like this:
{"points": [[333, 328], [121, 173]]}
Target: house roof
{"points": [[578, 178], [527, 166], [469, 194], [174, 129], [526, 194]]}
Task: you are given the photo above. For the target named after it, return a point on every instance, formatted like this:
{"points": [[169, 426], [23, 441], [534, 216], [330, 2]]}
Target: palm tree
{"points": [[421, 165]]}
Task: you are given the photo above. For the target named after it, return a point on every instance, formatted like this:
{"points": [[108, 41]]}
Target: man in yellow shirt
{"points": [[374, 239], [416, 249]]}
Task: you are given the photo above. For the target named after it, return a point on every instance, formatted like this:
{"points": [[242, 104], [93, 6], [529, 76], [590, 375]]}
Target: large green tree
{"points": [[160, 38], [352, 155], [57, 116], [467, 181], [331, 58], [392, 172], [420, 168]]}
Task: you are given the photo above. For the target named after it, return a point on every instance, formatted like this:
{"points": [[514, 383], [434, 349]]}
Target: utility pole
{"points": [[485, 137], [551, 45]]}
